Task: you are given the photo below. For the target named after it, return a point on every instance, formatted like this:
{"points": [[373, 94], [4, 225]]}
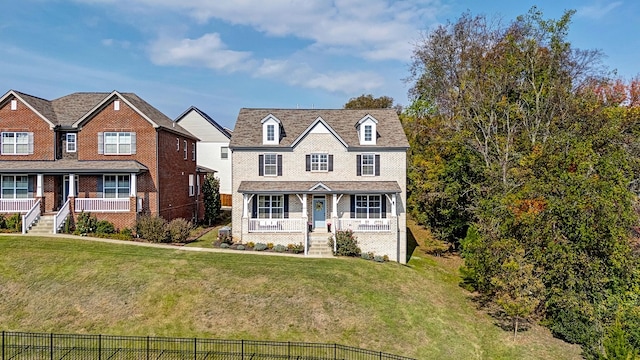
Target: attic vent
{"points": [[116, 105], [14, 104]]}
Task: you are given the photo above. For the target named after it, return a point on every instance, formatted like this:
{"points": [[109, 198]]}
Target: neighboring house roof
{"points": [[73, 166], [73, 109], [296, 187], [295, 122], [209, 119]]}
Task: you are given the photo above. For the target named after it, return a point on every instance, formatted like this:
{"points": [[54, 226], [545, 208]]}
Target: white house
{"points": [[213, 147]]}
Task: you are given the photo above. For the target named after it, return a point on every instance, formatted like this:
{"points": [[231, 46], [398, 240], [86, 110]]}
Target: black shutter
{"points": [[377, 165], [279, 165], [383, 203], [100, 186], [260, 165], [358, 165], [330, 162], [30, 181], [286, 206], [353, 206], [308, 162], [254, 206]]}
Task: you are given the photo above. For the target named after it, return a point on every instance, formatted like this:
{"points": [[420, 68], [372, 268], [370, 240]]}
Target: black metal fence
{"points": [[21, 345]]}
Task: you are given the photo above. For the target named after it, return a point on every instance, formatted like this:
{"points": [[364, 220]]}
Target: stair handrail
{"points": [[31, 216], [61, 216]]}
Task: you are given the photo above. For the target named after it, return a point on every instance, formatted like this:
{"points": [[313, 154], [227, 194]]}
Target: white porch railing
{"points": [[364, 225], [16, 205], [31, 216], [102, 204], [276, 225], [61, 216]]}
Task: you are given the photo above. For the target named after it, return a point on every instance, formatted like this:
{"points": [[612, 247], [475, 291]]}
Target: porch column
{"points": [[334, 208], [305, 219], [133, 186], [72, 186], [304, 205], [245, 205], [39, 183], [394, 210]]}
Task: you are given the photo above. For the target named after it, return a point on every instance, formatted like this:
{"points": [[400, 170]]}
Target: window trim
{"points": [[193, 151], [119, 135], [184, 143], [372, 165], [74, 142], [368, 133], [367, 199], [319, 162], [224, 155], [117, 186], [269, 209], [192, 190], [177, 144], [14, 143], [14, 188], [271, 165], [271, 133]]}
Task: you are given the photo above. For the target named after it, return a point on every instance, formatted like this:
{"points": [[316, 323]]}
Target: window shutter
{"points": [[30, 135], [254, 207], [100, 190], [260, 165], [133, 143], [330, 162], [359, 165], [377, 165], [279, 165], [286, 206], [383, 203], [30, 181], [308, 162], [100, 143], [353, 206]]}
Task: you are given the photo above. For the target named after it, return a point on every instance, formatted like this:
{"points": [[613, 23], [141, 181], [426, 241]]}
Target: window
{"points": [[184, 148], [270, 207], [270, 165], [15, 187], [368, 207], [17, 143], [116, 186], [14, 104], [118, 143], [191, 185], [367, 133], [319, 162], [71, 142], [177, 144], [271, 132], [368, 164], [193, 151], [224, 152]]}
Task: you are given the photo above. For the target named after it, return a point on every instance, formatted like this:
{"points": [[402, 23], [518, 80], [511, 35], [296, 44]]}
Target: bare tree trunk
{"points": [[515, 328]]}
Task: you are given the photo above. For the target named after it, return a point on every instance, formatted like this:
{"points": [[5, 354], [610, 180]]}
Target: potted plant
{"points": [[329, 227], [310, 225]]}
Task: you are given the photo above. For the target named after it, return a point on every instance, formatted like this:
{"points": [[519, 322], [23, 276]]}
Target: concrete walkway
{"points": [[159, 246]]}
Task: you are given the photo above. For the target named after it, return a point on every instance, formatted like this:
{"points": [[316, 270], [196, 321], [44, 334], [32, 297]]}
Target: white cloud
{"points": [[598, 10], [208, 51]]}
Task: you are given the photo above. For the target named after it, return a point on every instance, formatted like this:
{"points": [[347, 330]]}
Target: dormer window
{"points": [[270, 130], [367, 130]]}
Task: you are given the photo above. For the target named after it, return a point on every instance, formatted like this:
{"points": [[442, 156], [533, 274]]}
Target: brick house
{"points": [[111, 154], [214, 142], [301, 175]]}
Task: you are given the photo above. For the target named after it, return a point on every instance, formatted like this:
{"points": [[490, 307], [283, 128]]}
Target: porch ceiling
{"points": [[319, 187], [72, 166]]}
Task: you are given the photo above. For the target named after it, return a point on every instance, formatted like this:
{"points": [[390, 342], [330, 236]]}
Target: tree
{"points": [[211, 192], [369, 102]]}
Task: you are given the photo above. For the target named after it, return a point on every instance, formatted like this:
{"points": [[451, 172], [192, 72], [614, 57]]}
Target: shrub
{"points": [[346, 243], [385, 258], [86, 224], [378, 258], [68, 227], [279, 248], [296, 248], [225, 239], [3, 222], [251, 244], [126, 232], [179, 230], [365, 256], [224, 246], [14, 222], [260, 247], [104, 227], [240, 247], [152, 228], [269, 246]]}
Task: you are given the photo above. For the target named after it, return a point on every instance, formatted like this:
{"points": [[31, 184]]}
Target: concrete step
{"points": [[44, 225]]}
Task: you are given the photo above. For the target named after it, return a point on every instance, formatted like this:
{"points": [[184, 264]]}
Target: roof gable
{"points": [[40, 107], [319, 122], [207, 118]]}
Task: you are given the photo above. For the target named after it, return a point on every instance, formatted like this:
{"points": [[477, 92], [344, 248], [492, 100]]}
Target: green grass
{"points": [[77, 286]]}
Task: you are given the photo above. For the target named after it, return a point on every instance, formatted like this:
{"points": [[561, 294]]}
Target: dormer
{"points": [[367, 130], [270, 130]]}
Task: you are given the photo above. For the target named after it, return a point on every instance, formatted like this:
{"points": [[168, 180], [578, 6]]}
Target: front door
{"points": [[319, 213]]}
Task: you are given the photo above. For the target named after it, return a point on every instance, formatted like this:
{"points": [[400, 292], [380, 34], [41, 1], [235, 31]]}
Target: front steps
{"points": [[42, 226], [319, 244]]}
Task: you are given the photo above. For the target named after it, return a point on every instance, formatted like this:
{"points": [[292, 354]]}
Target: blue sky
{"points": [[223, 55]]}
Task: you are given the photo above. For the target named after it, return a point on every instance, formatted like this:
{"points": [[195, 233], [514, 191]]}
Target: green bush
{"points": [[3, 222], [260, 247], [179, 230], [251, 244], [224, 246], [365, 256], [152, 228], [104, 227], [296, 248], [86, 223], [346, 243], [14, 222], [279, 248], [240, 247], [378, 258]]}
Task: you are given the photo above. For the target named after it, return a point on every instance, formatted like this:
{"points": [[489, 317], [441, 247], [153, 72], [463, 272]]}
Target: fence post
{"points": [[242, 348], [380, 355], [288, 349], [51, 346], [3, 339], [147, 347], [195, 348], [335, 351], [99, 346]]}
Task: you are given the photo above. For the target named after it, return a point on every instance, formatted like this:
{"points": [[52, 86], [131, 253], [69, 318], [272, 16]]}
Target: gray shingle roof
{"points": [[72, 107], [327, 187], [66, 166], [248, 130]]}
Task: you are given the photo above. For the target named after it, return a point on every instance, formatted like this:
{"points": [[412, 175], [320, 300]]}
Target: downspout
{"points": [[157, 172]]}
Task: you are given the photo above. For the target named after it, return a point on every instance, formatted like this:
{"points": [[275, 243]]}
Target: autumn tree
{"points": [[211, 194], [369, 102]]}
